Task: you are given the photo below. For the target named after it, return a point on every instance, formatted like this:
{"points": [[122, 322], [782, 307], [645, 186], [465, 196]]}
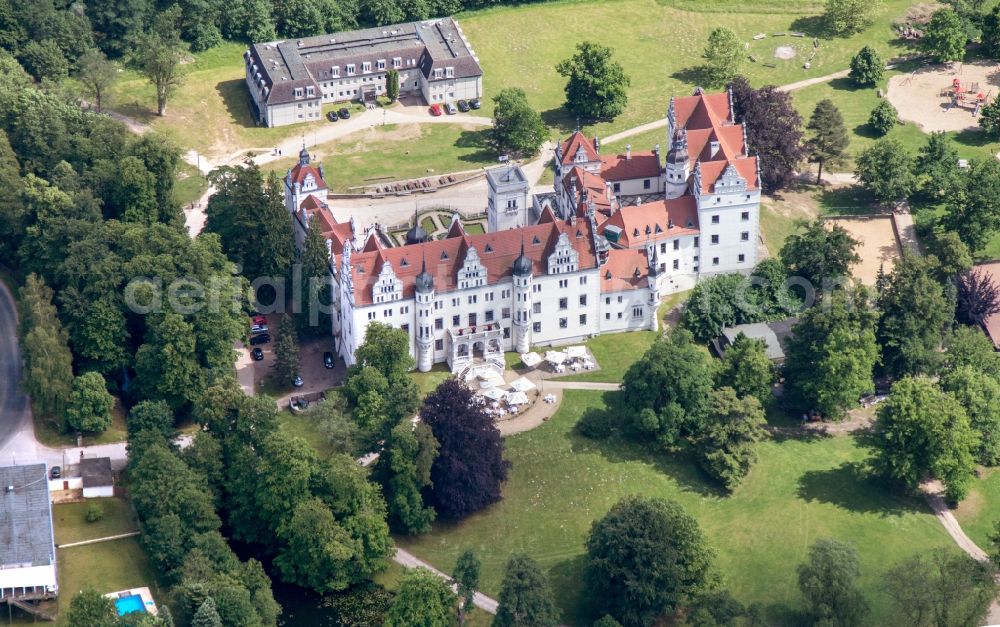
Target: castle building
{"points": [[289, 81], [618, 233]]}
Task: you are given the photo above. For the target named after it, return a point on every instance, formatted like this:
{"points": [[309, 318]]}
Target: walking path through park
{"points": [[409, 560]]}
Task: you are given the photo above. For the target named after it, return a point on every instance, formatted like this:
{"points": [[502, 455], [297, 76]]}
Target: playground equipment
{"points": [[966, 96]]}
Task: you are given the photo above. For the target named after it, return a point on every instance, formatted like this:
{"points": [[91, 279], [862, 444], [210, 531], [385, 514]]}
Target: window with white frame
{"points": [[335, 71], [380, 64], [350, 69], [397, 62], [438, 73], [366, 66], [449, 72]]}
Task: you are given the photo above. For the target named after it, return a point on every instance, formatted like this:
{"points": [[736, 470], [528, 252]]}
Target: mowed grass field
{"points": [[799, 491], [980, 511]]}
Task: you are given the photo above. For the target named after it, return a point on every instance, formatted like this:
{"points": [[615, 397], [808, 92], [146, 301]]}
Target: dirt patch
{"points": [[784, 52], [879, 248], [925, 95]]}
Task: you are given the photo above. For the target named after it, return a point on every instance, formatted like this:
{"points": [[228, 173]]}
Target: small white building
{"points": [[97, 478], [27, 544]]}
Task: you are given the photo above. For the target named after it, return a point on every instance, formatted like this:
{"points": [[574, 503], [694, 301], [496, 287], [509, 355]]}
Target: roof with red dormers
{"points": [[444, 258], [651, 221], [712, 170], [640, 165], [593, 184], [702, 110], [619, 272], [572, 145], [706, 118], [299, 173], [320, 216]]}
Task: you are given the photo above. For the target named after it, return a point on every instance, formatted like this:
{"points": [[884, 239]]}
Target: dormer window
{"points": [[366, 67], [404, 263], [438, 73], [310, 91], [397, 62], [380, 64], [449, 72], [488, 249], [444, 255], [298, 92], [535, 241], [350, 69], [335, 71]]}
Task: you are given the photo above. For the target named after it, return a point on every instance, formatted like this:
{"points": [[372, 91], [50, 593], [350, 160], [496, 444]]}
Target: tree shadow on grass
{"points": [[852, 486], [973, 137], [693, 76], [477, 140], [561, 120], [849, 200], [812, 25], [846, 84], [237, 100], [570, 591]]}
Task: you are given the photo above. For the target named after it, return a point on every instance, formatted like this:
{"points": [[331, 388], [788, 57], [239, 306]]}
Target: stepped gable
{"points": [[707, 118]]}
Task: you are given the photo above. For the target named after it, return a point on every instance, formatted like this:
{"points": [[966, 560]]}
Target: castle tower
{"points": [[425, 334], [522, 273], [678, 166], [653, 287]]}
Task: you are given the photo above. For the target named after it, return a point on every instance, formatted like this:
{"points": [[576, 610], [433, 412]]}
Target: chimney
{"points": [[628, 151]]}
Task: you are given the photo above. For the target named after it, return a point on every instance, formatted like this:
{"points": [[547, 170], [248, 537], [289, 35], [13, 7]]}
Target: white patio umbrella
{"points": [[556, 358], [531, 359], [522, 385], [576, 352], [517, 398], [495, 394]]}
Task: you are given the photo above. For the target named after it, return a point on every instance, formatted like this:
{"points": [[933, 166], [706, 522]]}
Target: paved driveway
{"points": [[15, 409]]}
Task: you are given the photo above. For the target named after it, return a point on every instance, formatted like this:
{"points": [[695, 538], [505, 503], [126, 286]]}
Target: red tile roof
{"points": [[299, 173], [641, 165], [702, 110], [651, 221], [570, 147], [320, 216], [712, 170], [593, 184], [626, 269], [444, 258]]}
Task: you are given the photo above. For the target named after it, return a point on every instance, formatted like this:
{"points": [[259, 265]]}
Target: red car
{"points": [[436, 110], [260, 320]]}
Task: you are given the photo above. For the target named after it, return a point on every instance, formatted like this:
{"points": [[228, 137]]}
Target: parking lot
{"points": [[315, 376]]}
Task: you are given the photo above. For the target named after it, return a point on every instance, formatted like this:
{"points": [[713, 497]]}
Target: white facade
{"points": [[508, 203]]}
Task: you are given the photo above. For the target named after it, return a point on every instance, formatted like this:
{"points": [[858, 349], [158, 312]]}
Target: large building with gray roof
{"points": [[27, 545], [289, 81]]}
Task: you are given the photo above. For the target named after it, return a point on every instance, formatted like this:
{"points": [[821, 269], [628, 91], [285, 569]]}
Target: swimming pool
{"points": [[129, 604]]}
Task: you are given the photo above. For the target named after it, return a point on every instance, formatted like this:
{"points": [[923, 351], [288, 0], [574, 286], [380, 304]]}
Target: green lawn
{"points": [[305, 427], [71, 523], [397, 152], [981, 509], [614, 353], [427, 382], [47, 430], [189, 185], [800, 491]]}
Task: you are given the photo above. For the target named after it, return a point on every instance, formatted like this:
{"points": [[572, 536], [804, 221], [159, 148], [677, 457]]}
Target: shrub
{"points": [[95, 512], [883, 117], [595, 424]]}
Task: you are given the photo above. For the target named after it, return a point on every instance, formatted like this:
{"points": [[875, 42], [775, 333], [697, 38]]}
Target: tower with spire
{"points": [[521, 272], [302, 181], [424, 296]]}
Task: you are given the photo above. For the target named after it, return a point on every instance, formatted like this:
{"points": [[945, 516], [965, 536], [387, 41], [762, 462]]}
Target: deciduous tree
{"points": [[969, 346], [90, 607], [867, 67], [596, 84], [98, 74], [644, 558], [466, 578], [423, 600], [979, 394], [936, 168], [746, 368], [720, 301], [974, 210], [828, 581], [525, 598], [727, 443], [404, 470], [518, 129], [940, 587], [48, 363], [886, 170], [829, 141], [773, 130], [884, 117], [157, 55], [846, 17], [723, 56], [820, 255], [944, 36], [90, 404]]}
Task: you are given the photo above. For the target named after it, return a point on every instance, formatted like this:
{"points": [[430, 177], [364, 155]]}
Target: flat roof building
{"points": [[27, 544]]}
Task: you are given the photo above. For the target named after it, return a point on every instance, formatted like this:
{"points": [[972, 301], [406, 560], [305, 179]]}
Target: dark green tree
{"points": [[746, 368], [314, 293], [525, 598], [423, 600], [969, 346], [90, 404], [830, 358], [207, 615], [166, 364], [828, 581], [727, 443], [886, 170], [13, 213], [645, 558], [44, 60], [923, 431], [945, 37], [518, 129], [867, 67], [466, 578], [154, 416], [286, 351], [597, 85], [974, 210], [404, 470], [829, 140], [157, 55], [989, 119], [91, 608], [991, 33], [979, 394], [952, 257], [884, 117], [846, 17], [723, 57], [317, 550], [936, 168], [820, 255], [666, 392], [392, 85], [720, 301], [48, 363], [940, 587]]}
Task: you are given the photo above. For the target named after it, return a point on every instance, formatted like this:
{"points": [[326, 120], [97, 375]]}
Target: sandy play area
{"points": [[879, 247], [921, 96]]}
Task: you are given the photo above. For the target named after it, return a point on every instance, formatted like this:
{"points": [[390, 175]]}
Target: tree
{"points": [[974, 211], [404, 470], [157, 55], [596, 85], [944, 36], [977, 296], [314, 294], [915, 312], [772, 294], [91, 608], [377, 386], [666, 391], [469, 468], [45, 61], [727, 444], [991, 33], [90, 405], [517, 128], [746, 368], [846, 17], [829, 142], [939, 588], [831, 355], [423, 600], [466, 578], [969, 346], [821, 256], [721, 301], [48, 363], [525, 598], [392, 85], [883, 117], [886, 170], [98, 74], [989, 119], [644, 558], [922, 431], [207, 615], [867, 67], [13, 212], [723, 56], [773, 130], [936, 168], [607, 621], [828, 581], [286, 351], [979, 393], [317, 551], [166, 364]]}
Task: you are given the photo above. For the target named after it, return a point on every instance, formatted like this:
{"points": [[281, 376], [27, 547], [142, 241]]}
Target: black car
{"points": [[262, 338], [55, 472], [332, 116], [344, 113], [463, 106], [257, 354], [475, 103], [328, 360]]}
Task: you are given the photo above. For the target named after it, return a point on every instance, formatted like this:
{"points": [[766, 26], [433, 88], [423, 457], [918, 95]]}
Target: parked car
{"points": [[475, 103], [328, 360], [261, 338], [256, 354], [297, 381], [450, 109], [55, 472], [258, 328], [259, 319], [344, 113], [332, 116], [463, 106], [436, 110]]}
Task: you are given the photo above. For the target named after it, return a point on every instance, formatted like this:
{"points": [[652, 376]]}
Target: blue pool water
{"points": [[129, 604]]}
